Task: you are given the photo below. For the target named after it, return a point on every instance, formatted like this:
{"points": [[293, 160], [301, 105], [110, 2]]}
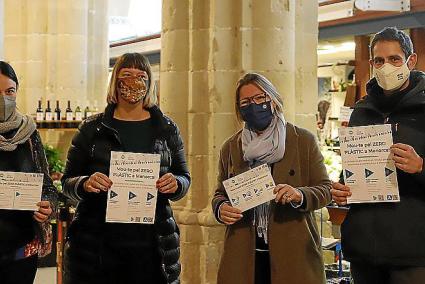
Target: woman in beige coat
{"points": [[278, 241]]}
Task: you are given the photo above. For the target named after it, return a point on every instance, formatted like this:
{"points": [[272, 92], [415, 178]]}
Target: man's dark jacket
{"points": [[392, 233], [90, 152]]}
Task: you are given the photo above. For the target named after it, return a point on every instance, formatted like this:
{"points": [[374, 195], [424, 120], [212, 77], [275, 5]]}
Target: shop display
{"points": [[58, 119]]}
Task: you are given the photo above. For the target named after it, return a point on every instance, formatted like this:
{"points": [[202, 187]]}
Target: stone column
{"points": [[59, 50], [206, 47], [306, 41]]}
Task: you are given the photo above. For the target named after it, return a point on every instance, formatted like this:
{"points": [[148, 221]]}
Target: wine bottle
{"points": [[57, 112], [87, 112], [78, 112], [48, 112], [39, 113], [69, 113]]}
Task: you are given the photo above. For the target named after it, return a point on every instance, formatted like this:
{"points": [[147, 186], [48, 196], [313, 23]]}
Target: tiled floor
{"points": [[46, 276]]}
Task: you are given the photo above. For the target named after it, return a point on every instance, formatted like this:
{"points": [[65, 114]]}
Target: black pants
{"points": [[262, 261], [85, 265], [262, 267], [19, 271], [364, 273]]}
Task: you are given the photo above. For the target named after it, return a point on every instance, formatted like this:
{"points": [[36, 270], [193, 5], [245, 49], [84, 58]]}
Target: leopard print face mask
{"points": [[132, 89]]}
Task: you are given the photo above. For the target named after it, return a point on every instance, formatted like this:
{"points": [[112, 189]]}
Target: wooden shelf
{"points": [[57, 129], [58, 125]]}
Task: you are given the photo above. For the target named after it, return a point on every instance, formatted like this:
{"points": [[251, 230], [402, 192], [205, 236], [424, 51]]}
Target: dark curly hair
{"points": [[393, 34]]}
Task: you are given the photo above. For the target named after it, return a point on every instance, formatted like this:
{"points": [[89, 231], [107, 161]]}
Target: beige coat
{"points": [[294, 240]]}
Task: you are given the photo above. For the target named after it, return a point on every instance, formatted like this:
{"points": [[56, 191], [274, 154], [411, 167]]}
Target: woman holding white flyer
{"points": [[277, 241], [104, 252], [24, 235]]}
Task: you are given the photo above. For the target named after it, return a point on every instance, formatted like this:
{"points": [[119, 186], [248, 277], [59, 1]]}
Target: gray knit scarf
{"points": [[266, 147], [25, 127]]}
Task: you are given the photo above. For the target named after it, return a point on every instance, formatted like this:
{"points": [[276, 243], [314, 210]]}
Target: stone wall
{"points": [[59, 50]]}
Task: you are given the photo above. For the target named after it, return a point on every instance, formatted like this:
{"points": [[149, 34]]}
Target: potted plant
{"points": [[56, 168], [56, 165]]}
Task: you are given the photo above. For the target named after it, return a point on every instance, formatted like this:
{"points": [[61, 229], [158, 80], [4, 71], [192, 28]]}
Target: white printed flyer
{"points": [[367, 163], [132, 197], [20, 191], [251, 188]]}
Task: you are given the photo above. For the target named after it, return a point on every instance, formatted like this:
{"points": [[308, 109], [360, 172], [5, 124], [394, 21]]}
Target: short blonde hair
{"points": [[264, 84], [137, 61]]}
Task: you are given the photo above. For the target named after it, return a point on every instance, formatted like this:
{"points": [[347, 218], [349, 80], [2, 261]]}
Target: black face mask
{"points": [[257, 117]]}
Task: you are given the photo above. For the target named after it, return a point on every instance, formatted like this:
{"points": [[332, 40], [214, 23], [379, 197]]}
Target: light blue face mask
{"points": [[7, 107]]}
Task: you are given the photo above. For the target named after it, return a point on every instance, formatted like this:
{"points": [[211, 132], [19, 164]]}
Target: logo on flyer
{"points": [[258, 192], [247, 195], [147, 220]]}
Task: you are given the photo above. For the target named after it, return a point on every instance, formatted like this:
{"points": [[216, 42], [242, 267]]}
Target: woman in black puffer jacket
{"points": [[100, 252]]}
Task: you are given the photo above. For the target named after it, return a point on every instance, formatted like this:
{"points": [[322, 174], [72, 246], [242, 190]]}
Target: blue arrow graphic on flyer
{"points": [[368, 173], [112, 194], [348, 174], [131, 195], [388, 172], [149, 197]]}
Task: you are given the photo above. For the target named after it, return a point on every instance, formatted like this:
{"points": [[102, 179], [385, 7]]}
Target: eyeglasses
{"points": [[257, 99]]}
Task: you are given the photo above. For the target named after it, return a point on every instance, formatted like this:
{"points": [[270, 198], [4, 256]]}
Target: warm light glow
{"points": [[329, 49]]}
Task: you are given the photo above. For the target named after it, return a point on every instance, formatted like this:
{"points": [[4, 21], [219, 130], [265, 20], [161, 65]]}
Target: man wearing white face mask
{"points": [[384, 242]]}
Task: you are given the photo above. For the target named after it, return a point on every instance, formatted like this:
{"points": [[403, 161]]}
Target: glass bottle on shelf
{"points": [[57, 116], [69, 112], [48, 116], [87, 111], [78, 112], [69, 116], [39, 113], [57, 112]]}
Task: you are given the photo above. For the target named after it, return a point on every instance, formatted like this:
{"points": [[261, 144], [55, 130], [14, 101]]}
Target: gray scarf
{"points": [[268, 147], [24, 125]]}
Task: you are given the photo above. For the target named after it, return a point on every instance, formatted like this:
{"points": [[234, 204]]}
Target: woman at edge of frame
{"points": [[24, 235]]}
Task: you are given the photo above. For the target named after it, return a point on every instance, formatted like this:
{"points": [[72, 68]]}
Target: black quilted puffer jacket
{"points": [[90, 152]]}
